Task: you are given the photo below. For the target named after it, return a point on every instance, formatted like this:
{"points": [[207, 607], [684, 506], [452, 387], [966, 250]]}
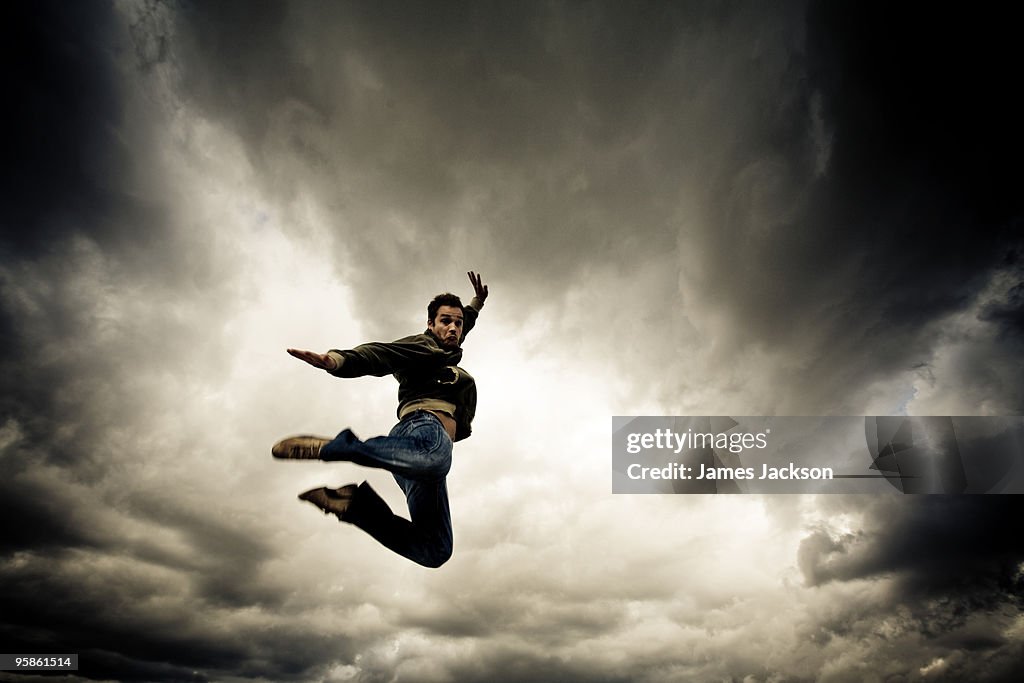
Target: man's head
{"points": [[445, 317]]}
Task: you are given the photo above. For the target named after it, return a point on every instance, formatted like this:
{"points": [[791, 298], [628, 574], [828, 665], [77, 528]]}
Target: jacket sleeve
{"points": [[386, 358], [383, 358], [471, 311]]}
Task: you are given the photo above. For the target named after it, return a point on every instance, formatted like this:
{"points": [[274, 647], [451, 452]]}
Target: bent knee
{"points": [[437, 558]]}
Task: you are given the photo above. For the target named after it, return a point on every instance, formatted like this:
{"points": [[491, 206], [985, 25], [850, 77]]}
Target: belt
{"points": [[418, 411]]}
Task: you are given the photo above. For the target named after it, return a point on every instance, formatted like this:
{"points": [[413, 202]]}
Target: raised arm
{"points": [[474, 306]]}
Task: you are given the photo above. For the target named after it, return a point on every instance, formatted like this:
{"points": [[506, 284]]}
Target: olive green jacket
{"points": [[424, 369]]}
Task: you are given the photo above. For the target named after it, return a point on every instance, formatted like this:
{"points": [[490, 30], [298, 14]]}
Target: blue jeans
{"points": [[418, 452]]}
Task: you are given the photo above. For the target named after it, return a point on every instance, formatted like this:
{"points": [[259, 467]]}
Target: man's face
{"points": [[447, 326]]}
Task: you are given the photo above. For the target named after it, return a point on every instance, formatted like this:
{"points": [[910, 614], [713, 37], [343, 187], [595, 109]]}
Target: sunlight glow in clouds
{"points": [[679, 210]]}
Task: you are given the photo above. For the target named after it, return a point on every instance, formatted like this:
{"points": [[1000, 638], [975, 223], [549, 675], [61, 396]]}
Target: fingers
{"points": [[478, 284], [311, 357]]}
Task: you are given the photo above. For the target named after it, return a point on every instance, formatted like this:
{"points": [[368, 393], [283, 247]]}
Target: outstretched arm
{"points": [[383, 359], [380, 358]]}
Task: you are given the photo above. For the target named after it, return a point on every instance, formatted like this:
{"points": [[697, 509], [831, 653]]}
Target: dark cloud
{"points": [[82, 221], [64, 109], [1006, 309], [946, 557], [134, 614], [41, 523], [872, 200], [922, 152], [510, 665], [64, 106], [553, 138], [824, 186], [67, 160]]}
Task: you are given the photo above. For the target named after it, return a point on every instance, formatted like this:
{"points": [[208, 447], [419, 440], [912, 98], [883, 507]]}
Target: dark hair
{"points": [[446, 299]]}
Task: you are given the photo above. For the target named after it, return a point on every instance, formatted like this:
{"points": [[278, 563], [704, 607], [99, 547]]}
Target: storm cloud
{"points": [[692, 209]]}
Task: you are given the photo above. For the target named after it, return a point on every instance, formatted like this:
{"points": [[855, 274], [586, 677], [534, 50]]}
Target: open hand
{"points": [[317, 360], [479, 288]]}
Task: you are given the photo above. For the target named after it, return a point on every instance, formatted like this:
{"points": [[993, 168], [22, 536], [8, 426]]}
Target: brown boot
{"points": [[334, 501], [299, 448]]}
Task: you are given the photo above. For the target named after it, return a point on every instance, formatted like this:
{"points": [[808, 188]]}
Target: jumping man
{"points": [[436, 404]]}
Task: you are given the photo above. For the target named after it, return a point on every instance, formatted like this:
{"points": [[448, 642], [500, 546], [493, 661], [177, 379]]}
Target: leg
{"points": [[418, 453], [426, 540], [417, 448]]}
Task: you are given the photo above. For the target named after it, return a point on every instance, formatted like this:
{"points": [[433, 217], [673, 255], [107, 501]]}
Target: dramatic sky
{"points": [[680, 208]]}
